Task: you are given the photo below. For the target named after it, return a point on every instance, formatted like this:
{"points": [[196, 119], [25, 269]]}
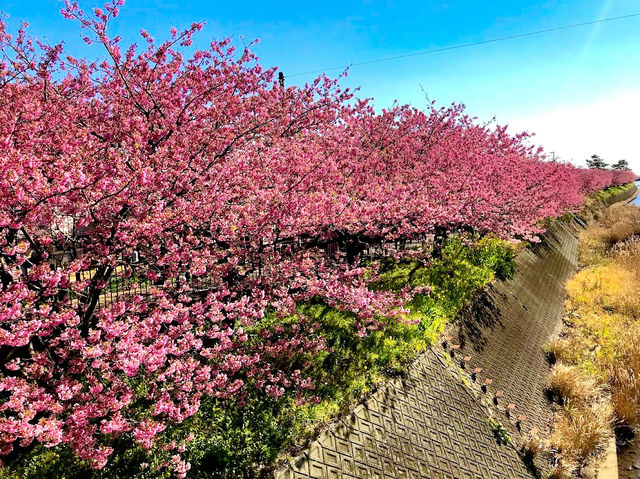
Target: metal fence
{"points": [[123, 284]]}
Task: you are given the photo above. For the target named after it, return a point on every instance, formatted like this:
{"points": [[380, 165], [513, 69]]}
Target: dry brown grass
{"points": [[563, 470], [569, 349], [624, 375], [581, 432], [625, 397], [601, 296], [605, 287], [620, 218], [593, 245], [615, 224], [532, 447], [569, 384], [627, 254], [597, 370]]}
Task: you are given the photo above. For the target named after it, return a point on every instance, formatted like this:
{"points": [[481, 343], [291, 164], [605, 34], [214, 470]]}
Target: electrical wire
{"points": [[465, 45]]}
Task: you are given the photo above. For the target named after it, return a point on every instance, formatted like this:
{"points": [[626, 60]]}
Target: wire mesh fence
{"points": [[129, 277]]}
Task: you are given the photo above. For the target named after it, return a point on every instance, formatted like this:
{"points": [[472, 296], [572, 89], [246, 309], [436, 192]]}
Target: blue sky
{"points": [[579, 89]]}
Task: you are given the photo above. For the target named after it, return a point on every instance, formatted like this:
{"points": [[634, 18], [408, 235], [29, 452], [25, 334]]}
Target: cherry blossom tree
{"points": [[169, 170]]}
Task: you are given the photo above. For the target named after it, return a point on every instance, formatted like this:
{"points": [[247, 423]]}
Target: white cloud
{"points": [[607, 127]]}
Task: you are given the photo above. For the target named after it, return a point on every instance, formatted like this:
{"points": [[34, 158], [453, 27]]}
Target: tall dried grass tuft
{"points": [[625, 396], [565, 469], [622, 222], [627, 255], [532, 447], [569, 384], [582, 431], [624, 375], [569, 349]]}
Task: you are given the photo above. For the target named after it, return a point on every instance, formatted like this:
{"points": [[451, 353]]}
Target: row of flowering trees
{"points": [[206, 166]]}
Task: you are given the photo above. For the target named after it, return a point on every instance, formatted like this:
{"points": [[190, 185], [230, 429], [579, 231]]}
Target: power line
{"points": [[465, 45]]}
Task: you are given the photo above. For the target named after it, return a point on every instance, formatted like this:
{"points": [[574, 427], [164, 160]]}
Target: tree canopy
{"points": [[596, 162], [621, 165]]}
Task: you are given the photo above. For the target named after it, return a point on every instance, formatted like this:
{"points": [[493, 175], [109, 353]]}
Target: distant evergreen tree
{"points": [[621, 165], [596, 162]]}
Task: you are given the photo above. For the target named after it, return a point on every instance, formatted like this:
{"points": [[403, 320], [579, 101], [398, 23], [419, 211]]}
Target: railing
{"points": [[121, 286]]}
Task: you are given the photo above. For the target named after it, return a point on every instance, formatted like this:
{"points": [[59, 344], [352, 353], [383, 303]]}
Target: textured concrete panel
{"points": [[505, 331], [427, 425]]}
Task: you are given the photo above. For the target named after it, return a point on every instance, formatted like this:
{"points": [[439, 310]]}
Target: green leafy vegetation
{"points": [[607, 194], [499, 431]]}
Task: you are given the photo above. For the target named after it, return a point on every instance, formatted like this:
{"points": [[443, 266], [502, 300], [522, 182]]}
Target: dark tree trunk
{"points": [[440, 235]]}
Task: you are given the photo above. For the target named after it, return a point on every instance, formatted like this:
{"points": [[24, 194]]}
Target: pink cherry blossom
{"points": [[222, 200]]}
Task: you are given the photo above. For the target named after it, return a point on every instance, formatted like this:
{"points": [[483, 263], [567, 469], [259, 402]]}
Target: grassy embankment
{"points": [[606, 195], [596, 376]]}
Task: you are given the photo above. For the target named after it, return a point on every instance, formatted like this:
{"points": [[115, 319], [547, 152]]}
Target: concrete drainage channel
{"points": [[490, 368]]}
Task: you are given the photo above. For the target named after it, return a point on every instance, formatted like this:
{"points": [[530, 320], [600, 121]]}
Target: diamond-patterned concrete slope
{"points": [[509, 325], [433, 423], [426, 426]]}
